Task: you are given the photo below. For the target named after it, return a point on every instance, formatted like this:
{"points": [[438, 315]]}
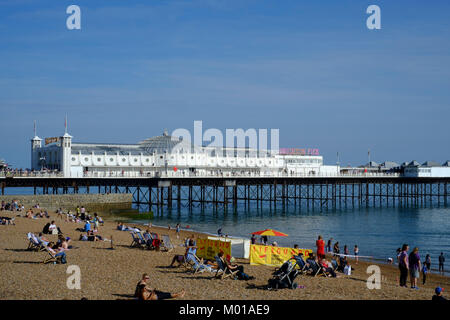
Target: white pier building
{"points": [[167, 156]]}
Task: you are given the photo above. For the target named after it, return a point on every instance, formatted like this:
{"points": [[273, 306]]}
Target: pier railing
{"points": [[173, 174]]}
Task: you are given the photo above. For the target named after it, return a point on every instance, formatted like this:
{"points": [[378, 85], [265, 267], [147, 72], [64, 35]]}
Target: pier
{"points": [[302, 192]]}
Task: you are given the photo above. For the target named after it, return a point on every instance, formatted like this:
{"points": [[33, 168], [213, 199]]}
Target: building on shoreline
{"points": [[3, 164], [167, 155]]}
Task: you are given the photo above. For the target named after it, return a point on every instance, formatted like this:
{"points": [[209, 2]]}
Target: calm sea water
{"points": [[378, 232]]}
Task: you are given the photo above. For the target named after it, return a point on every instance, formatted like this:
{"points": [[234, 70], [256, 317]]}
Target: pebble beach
{"points": [[110, 274]]}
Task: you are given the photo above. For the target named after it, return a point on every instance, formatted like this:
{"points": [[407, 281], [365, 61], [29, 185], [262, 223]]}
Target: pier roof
{"points": [[413, 163], [165, 143], [389, 164], [431, 164]]}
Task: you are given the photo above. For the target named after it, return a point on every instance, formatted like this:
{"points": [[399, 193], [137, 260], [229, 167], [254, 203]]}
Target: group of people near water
{"points": [[410, 263], [335, 249]]}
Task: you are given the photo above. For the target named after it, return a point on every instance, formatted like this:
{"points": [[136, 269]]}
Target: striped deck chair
{"points": [[301, 264], [317, 270], [137, 242], [223, 271], [50, 256], [34, 243], [166, 244], [195, 264]]}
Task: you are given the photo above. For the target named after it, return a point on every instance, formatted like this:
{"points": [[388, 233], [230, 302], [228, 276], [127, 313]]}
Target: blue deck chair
{"points": [[302, 266], [223, 270], [137, 242], [34, 243]]}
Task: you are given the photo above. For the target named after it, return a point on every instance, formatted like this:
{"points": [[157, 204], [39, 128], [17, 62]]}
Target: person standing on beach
{"points": [[336, 248], [264, 240], [427, 262], [253, 239], [356, 252], [414, 267], [403, 265], [346, 252], [424, 273], [329, 245], [320, 244], [441, 262], [177, 230]]}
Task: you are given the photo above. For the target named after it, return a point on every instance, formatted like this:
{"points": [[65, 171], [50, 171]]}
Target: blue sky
{"points": [[310, 68]]}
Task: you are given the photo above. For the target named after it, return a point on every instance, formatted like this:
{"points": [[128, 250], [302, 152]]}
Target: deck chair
{"points": [[156, 241], [34, 243], [166, 244], [301, 264], [137, 242], [223, 271], [335, 265], [148, 240], [50, 256], [196, 264], [316, 269]]}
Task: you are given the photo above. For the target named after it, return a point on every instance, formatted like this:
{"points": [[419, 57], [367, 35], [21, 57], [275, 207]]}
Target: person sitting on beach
{"points": [[87, 226], [29, 214], [43, 239], [94, 237], [148, 238], [327, 267], [179, 258], [144, 292], [58, 252], [83, 237], [192, 242], [63, 242], [122, 227], [52, 228], [233, 267]]}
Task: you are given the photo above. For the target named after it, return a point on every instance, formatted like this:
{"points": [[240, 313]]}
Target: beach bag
{"points": [[348, 270]]}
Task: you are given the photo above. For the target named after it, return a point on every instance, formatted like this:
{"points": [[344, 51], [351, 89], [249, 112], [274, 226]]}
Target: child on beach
{"points": [[356, 252], [424, 273], [177, 230], [346, 252]]}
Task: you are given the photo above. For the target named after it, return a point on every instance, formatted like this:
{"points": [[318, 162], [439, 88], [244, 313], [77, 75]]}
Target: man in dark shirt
{"points": [[441, 262], [438, 296]]}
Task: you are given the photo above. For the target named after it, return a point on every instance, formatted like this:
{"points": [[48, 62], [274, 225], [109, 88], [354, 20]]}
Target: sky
{"points": [[311, 69]]}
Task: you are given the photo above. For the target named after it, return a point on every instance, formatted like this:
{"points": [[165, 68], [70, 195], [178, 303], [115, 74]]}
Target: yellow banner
{"points": [[273, 256], [208, 249]]}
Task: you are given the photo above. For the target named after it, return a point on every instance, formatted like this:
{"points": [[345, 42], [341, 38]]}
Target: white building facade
{"points": [[166, 156]]}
